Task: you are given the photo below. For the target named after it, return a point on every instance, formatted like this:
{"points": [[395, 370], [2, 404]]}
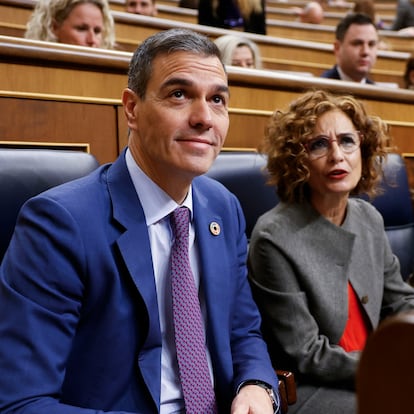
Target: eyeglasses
{"points": [[320, 146]]}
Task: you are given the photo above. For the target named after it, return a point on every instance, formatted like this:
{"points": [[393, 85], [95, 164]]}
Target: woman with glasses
{"points": [[321, 268]]}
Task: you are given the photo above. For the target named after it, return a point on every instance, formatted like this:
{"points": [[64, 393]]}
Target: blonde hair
{"points": [[228, 43], [47, 12], [247, 7]]}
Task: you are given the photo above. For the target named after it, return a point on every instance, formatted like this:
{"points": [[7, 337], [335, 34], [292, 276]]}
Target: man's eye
{"points": [[219, 99], [178, 94]]}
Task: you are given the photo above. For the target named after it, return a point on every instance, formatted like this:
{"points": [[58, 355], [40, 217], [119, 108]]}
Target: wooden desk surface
{"points": [[383, 8], [277, 52], [63, 119], [18, 12], [326, 34], [98, 77], [330, 18]]}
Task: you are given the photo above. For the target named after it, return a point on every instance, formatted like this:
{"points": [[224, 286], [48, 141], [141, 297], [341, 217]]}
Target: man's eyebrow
{"points": [[223, 89], [177, 81]]}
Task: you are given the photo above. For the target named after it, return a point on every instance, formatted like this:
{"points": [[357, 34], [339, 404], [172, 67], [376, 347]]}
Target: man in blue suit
{"points": [[85, 299], [355, 48]]}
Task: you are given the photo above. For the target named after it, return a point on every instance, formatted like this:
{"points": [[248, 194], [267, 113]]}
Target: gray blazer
{"points": [[300, 264]]}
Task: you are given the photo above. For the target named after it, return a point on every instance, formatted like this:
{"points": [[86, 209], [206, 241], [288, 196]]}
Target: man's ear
{"points": [[129, 102], [337, 45]]}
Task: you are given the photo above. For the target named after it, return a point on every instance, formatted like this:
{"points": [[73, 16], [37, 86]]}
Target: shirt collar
{"points": [[345, 77], [156, 203]]}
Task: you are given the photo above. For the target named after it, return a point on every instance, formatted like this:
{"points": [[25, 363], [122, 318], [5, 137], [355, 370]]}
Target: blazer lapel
{"points": [[134, 246], [213, 252]]}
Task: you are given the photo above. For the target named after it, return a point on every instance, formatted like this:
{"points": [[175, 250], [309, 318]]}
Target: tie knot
{"points": [[180, 219]]}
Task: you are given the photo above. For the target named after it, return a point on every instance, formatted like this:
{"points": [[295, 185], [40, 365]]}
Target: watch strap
{"points": [[273, 396]]}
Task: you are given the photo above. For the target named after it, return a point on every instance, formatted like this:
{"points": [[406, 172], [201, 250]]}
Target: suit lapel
{"points": [[134, 247], [214, 267]]}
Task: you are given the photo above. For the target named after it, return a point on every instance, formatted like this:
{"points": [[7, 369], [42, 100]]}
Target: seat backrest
{"points": [[396, 208], [27, 172], [384, 381], [242, 172]]}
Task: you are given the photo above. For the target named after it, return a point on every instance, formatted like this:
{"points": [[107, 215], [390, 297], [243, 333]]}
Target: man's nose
{"points": [[201, 114]]}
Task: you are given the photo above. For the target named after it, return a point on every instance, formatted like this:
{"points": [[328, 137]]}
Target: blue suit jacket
{"points": [[333, 73], [79, 322]]}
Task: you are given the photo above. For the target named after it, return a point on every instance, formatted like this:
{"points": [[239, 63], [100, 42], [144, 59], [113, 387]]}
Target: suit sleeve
{"points": [[40, 303]]}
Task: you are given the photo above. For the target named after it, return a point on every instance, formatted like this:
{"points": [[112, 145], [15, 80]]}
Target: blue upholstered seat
{"points": [[396, 207], [242, 172], [27, 172]]}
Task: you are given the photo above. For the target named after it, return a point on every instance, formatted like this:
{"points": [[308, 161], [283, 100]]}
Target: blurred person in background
{"points": [[355, 49], [368, 7], [311, 13], [76, 22], [239, 51], [409, 74], [404, 17], [244, 15], [144, 7]]}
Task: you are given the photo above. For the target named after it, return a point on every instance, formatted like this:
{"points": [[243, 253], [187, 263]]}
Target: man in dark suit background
{"points": [[355, 49]]}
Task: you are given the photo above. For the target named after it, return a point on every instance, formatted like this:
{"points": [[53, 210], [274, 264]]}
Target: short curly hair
{"points": [[39, 26], [287, 157]]}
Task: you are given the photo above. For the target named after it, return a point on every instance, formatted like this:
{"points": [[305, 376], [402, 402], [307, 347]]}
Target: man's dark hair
{"points": [[348, 20], [165, 42]]}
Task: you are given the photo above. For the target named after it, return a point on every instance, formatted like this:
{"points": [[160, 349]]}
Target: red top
{"points": [[356, 329]]}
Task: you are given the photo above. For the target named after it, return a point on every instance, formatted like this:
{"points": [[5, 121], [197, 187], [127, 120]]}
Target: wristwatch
{"points": [[273, 396]]}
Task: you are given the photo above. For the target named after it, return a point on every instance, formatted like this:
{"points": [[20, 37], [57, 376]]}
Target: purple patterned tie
{"points": [[195, 377]]}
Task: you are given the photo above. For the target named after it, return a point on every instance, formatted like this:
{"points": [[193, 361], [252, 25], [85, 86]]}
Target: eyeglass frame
{"points": [[330, 140]]}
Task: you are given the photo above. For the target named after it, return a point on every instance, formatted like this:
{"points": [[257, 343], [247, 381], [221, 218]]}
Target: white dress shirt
{"points": [[345, 77], [157, 206]]}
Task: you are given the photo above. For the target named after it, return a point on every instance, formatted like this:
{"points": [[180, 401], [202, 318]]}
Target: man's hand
{"points": [[252, 399]]}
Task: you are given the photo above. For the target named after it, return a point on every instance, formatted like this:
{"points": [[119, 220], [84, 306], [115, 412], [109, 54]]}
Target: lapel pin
{"points": [[214, 228]]}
